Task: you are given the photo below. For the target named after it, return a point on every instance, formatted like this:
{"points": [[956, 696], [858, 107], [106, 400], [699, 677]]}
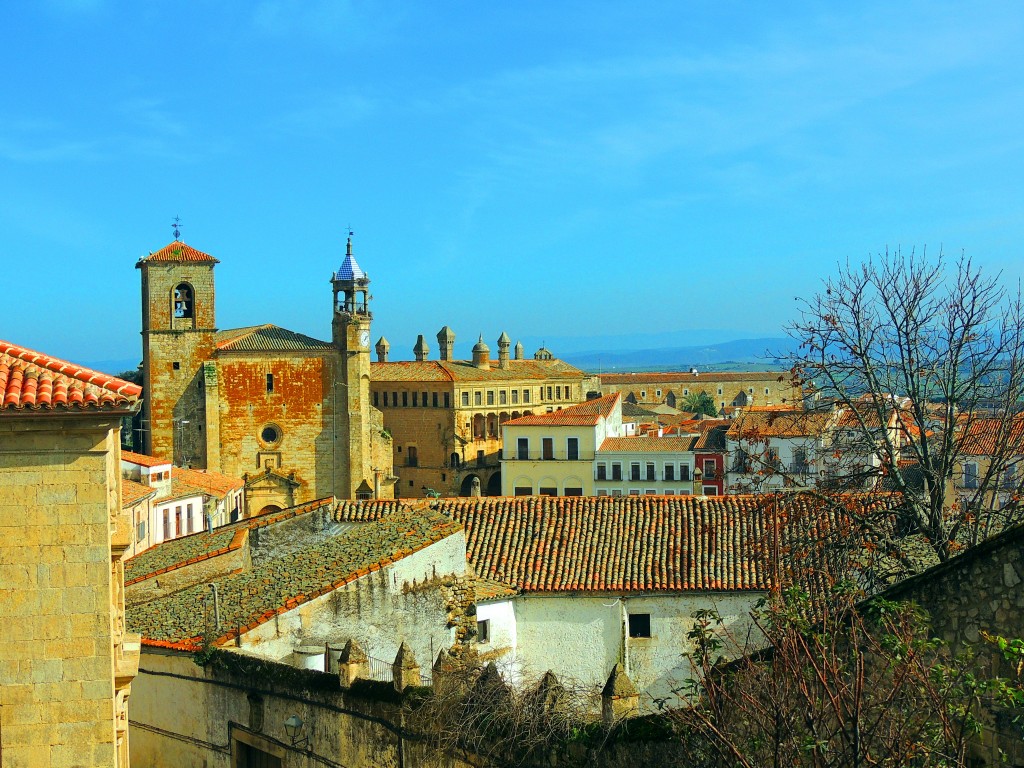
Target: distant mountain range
{"points": [[738, 354]]}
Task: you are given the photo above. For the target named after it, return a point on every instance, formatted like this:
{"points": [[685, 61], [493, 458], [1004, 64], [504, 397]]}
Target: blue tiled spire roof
{"points": [[349, 269]]}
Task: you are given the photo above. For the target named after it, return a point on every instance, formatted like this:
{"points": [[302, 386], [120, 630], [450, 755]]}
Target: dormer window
{"points": [[183, 303]]}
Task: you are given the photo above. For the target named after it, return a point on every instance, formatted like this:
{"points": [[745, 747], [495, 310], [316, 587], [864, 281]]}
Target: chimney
{"points": [[445, 342], [382, 348], [421, 350]]}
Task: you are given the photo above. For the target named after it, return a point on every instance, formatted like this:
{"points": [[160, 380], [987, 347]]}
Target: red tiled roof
{"points": [[275, 586], [177, 252], [213, 483], [755, 425], [132, 493], [31, 381], [143, 460], [584, 414], [637, 544], [648, 444], [267, 338], [465, 371], [986, 437]]}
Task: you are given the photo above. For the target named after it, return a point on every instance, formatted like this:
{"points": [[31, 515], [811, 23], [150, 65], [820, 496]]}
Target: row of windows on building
{"points": [[412, 399], [407, 399], [657, 392], [179, 523], [708, 490]]}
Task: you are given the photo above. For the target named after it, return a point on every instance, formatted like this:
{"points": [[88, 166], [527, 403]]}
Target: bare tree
{"points": [[926, 357], [856, 686]]}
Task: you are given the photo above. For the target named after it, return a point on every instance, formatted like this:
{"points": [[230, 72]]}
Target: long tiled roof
{"points": [[647, 444], [199, 546], [177, 252], [267, 338], [632, 544], [277, 585], [681, 376], [213, 483], [754, 425], [365, 511], [584, 414], [465, 371], [31, 381]]}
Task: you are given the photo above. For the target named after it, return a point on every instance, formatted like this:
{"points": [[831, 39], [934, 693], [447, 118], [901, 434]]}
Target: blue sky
{"points": [[554, 170]]}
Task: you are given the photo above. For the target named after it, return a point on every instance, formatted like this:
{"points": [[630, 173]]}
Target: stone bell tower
{"points": [[354, 475], [178, 326]]}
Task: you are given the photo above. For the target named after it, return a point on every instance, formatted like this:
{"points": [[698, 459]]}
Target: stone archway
{"points": [[269, 508], [493, 487]]}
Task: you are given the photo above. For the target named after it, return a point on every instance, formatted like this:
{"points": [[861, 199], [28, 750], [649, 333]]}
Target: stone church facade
{"points": [[289, 413]]}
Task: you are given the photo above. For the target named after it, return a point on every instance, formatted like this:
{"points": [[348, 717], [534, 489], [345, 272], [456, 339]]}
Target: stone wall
{"points": [[186, 715], [979, 592], [58, 499]]}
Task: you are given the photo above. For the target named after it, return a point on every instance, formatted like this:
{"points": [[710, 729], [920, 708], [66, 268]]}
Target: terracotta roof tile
{"points": [[177, 252], [267, 338], [143, 460], [176, 553], [779, 423], [465, 371], [981, 436], [31, 381], [212, 483], [584, 414], [648, 444], [277, 585], [132, 493], [637, 544]]}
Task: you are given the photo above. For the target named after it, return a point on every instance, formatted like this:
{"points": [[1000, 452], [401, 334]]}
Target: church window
{"points": [[270, 434], [549, 393], [766, 390], [405, 399], [424, 400], [478, 398], [183, 305], [394, 399], [490, 397], [270, 382], [447, 400], [433, 399], [465, 398], [558, 393], [515, 397], [415, 399], [502, 397]]}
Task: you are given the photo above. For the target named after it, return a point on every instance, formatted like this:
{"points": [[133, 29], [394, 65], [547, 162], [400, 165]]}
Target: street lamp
{"points": [[293, 726]]}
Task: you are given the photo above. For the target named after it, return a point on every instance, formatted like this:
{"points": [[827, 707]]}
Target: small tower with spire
{"points": [[446, 342], [504, 343], [520, 350]]}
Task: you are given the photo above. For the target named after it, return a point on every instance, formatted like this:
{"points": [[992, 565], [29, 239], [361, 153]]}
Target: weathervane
{"points": [[176, 228]]}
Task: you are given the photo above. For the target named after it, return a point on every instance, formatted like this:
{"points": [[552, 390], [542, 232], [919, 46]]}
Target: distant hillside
{"points": [[728, 355]]}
